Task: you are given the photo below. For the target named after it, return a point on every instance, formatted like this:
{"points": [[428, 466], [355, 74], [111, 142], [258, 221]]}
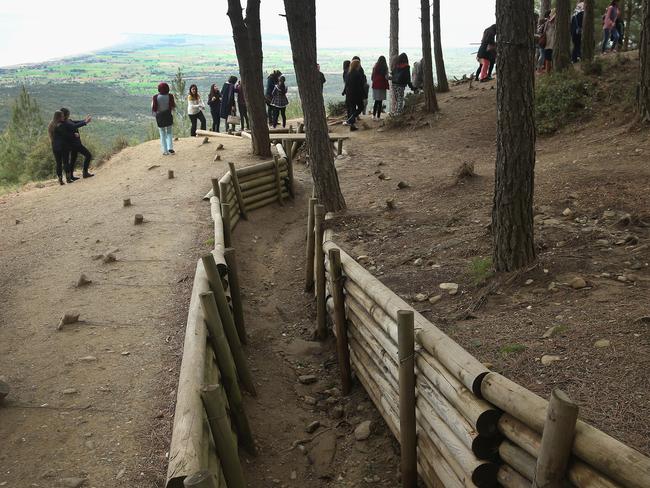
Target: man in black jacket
{"points": [[77, 147]]}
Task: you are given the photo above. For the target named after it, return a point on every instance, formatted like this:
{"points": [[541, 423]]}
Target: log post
{"points": [[288, 148], [225, 442], [339, 147], [321, 306], [202, 479], [557, 441], [223, 192], [227, 369], [138, 219], [170, 174], [235, 184], [339, 320], [235, 293], [408, 439], [227, 229], [278, 181], [309, 265], [215, 187], [226, 318], [126, 202]]}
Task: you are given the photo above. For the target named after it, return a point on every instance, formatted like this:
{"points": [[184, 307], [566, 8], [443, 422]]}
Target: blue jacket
{"points": [[227, 99]]}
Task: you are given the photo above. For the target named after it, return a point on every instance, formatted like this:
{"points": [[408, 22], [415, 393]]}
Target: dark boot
{"points": [[61, 180], [87, 174], [68, 178]]}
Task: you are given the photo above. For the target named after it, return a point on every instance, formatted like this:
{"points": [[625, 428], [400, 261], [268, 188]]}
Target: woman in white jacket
{"points": [[195, 107]]}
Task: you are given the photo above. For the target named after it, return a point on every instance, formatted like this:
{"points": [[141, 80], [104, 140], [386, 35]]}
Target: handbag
{"points": [[233, 119], [164, 118]]}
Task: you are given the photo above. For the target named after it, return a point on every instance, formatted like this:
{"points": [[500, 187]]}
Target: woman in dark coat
{"points": [[214, 102], [401, 77], [228, 99], [60, 146], [354, 93]]}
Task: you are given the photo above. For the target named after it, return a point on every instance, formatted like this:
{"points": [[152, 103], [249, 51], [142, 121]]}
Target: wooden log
{"points": [[254, 170], [509, 478], [126, 202], [227, 368], [339, 148], [234, 220], [619, 462], [223, 191], [227, 229], [201, 479], [262, 196], [285, 154], [209, 133], [557, 439], [235, 293], [309, 264], [580, 474], [263, 203], [518, 459], [278, 182], [214, 401], [260, 189], [226, 318], [319, 271], [407, 423], [219, 238], [434, 469], [256, 183], [138, 219], [170, 174], [247, 135], [253, 178], [340, 323], [235, 184]]}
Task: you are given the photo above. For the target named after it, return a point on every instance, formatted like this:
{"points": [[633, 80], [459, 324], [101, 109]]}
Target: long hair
{"points": [[65, 112], [194, 97], [381, 66], [232, 80], [214, 91], [354, 65], [57, 118], [403, 59], [346, 65]]}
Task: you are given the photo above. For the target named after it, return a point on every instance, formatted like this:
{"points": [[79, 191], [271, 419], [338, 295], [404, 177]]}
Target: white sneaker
{"points": [[165, 153], [346, 123]]}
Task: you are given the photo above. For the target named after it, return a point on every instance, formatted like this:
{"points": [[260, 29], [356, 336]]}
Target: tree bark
{"points": [[643, 91], [301, 22], [545, 6], [430, 101], [512, 211], [588, 32], [562, 49], [393, 49], [441, 74], [628, 22], [248, 46]]}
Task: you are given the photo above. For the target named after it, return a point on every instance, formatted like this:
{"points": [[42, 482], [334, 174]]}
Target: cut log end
{"points": [[217, 157], [138, 219], [83, 281], [126, 202], [170, 174]]}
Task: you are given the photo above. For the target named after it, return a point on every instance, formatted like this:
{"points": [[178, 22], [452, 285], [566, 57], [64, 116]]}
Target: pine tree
{"points": [[180, 117]]}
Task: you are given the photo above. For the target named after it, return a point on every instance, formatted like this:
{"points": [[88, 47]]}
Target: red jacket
{"points": [[379, 81]]}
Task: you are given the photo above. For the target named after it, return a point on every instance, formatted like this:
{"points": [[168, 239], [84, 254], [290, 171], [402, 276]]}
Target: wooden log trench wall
{"points": [[210, 423], [474, 427]]}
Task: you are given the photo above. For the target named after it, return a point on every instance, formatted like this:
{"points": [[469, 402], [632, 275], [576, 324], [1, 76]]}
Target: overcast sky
{"points": [[43, 29]]}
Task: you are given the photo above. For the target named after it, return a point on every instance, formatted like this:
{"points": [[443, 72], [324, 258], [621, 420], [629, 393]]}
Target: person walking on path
{"points": [[279, 102], [162, 107], [323, 80], [354, 93], [609, 27], [540, 38], [76, 147], [576, 32], [241, 105], [487, 53], [195, 107], [214, 102], [417, 77], [228, 99], [61, 142], [271, 81], [401, 79], [380, 85]]}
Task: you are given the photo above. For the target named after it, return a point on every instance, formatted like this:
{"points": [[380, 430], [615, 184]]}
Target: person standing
{"points": [[609, 27], [380, 85], [271, 81], [417, 78], [366, 86], [279, 102], [486, 53], [60, 146], [214, 102], [549, 33], [162, 107], [540, 37], [576, 32], [241, 105], [354, 93], [322, 78], [195, 107], [228, 100], [76, 147], [401, 79]]}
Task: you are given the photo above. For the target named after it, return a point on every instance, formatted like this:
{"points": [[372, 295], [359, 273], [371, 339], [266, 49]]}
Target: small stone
{"points": [[109, 258], [552, 331], [381, 176], [89, 444], [622, 278], [435, 299], [528, 282], [552, 286], [69, 391], [451, 288], [88, 359], [577, 283], [220, 147], [363, 259], [602, 242], [337, 412], [417, 262], [83, 281], [609, 214], [72, 482], [420, 297], [68, 318], [309, 400], [126, 353], [601, 343], [551, 222], [312, 427], [307, 379], [293, 475], [402, 185], [120, 473], [548, 359], [362, 431], [567, 212]]}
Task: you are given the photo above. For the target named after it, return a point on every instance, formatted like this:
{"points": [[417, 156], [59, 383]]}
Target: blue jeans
{"points": [[166, 139], [610, 34]]}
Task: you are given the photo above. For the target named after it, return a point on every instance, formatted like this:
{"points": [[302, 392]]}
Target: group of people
{"points": [[66, 145], [613, 30]]}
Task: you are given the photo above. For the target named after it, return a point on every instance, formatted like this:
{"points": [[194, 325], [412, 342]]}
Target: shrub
{"points": [[559, 99], [480, 269], [336, 108]]}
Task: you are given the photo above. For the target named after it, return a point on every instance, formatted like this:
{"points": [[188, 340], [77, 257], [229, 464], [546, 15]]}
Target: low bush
{"points": [[559, 99]]}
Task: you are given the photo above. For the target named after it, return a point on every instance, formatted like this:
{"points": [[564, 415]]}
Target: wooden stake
{"points": [[339, 148], [228, 322], [223, 192], [339, 320], [321, 308], [170, 174], [214, 402], [138, 219], [235, 184], [126, 202], [557, 441], [215, 187], [202, 479], [227, 229], [408, 439], [309, 265], [278, 181], [227, 368], [235, 293]]}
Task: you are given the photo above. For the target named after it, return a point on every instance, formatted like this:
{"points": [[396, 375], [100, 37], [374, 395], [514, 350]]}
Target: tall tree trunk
{"points": [[588, 32], [512, 211], [545, 6], [393, 49], [643, 90], [562, 49], [441, 74], [301, 22], [430, 101], [628, 22], [248, 46]]}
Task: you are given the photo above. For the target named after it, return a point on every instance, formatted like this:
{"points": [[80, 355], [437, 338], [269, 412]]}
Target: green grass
{"points": [[480, 270], [512, 349], [210, 242]]}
